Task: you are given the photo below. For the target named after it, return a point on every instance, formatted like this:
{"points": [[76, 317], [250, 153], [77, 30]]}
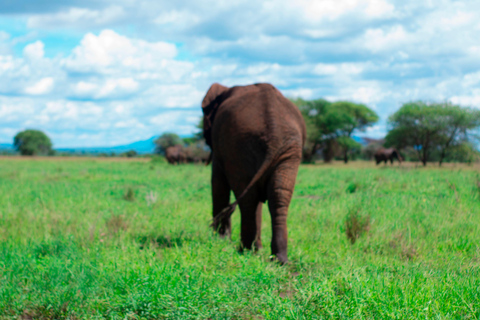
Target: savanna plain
{"points": [[90, 239]]}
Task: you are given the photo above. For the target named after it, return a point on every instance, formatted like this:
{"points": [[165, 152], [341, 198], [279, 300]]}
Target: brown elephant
{"points": [[256, 136], [175, 154], [387, 154]]}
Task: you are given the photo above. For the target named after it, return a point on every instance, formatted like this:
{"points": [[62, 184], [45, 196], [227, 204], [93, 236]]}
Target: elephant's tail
{"points": [[228, 211]]}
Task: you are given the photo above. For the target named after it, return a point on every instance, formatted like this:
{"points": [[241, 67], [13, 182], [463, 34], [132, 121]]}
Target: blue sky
{"points": [[102, 73]]}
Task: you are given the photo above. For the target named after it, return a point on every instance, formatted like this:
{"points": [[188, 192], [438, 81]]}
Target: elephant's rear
{"points": [[260, 112], [256, 123]]}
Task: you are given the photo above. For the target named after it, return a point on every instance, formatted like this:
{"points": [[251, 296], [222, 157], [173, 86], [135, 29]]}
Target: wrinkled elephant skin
{"points": [[256, 136]]}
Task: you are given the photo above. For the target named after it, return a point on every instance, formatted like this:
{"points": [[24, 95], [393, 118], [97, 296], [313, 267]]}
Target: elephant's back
{"points": [[260, 110], [253, 121]]}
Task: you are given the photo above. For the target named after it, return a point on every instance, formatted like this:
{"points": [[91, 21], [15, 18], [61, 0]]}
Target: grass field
{"points": [[130, 240]]}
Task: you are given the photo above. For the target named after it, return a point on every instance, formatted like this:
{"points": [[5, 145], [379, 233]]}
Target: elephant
{"points": [[175, 154], [256, 137], [387, 154]]}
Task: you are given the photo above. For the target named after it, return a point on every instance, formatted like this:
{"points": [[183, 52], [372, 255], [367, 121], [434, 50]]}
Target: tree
{"points": [[166, 140], [458, 125], [429, 127], [464, 152], [349, 117], [348, 144], [331, 125], [33, 142]]}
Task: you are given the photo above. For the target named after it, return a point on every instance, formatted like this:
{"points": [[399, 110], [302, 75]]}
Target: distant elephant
{"points": [[387, 154], [175, 154], [256, 136]]}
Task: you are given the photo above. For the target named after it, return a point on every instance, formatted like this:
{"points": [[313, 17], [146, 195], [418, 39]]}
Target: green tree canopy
{"points": [[166, 140], [458, 125], [332, 124], [32, 142], [431, 127]]}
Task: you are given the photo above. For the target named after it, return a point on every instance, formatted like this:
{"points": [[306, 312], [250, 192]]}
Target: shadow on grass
{"points": [[49, 248], [162, 241]]}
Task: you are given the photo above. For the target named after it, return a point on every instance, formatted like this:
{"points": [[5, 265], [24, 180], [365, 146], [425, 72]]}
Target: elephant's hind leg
{"points": [[221, 199], [251, 225], [280, 189]]}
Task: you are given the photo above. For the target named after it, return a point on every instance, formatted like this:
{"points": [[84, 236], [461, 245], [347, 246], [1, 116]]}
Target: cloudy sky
{"points": [[101, 72]]}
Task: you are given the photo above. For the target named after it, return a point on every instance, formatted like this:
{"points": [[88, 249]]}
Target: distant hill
{"points": [[141, 147]]}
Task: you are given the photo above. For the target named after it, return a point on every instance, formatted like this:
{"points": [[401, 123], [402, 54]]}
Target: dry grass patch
{"points": [[116, 223]]}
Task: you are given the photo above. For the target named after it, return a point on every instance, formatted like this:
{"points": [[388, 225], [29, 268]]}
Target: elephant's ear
{"points": [[215, 90], [210, 104]]}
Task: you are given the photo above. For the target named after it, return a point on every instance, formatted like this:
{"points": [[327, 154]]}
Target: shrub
{"points": [[356, 225], [129, 194]]}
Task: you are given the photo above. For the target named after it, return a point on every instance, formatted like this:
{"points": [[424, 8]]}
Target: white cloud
{"points": [[333, 9], [177, 18], [85, 89], [377, 40], [76, 16], [175, 96], [472, 100], [34, 51], [118, 86], [43, 86], [5, 46], [379, 8], [130, 123], [6, 63], [4, 36], [368, 95], [111, 88], [108, 51], [169, 121], [298, 93]]}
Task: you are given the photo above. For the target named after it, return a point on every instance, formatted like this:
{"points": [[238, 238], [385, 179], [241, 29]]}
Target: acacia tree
{"points": [[458, 125], [431, 126], [331, 125], [319, 132], [415, 124], [32, 142], [351, 116]]}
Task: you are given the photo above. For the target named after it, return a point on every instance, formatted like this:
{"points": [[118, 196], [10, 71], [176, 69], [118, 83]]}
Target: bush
{"points": [[129, 194], [129, 154], [356, 225]]}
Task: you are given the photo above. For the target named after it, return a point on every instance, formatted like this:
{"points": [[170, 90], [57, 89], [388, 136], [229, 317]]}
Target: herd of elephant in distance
{"points": [[256, 137], [177, 154]]}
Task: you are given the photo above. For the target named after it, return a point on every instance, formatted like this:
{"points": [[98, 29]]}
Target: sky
{"points": [[104, 73]]}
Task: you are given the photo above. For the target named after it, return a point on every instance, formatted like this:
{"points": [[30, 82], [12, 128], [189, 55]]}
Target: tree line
{"points": [[420, 130], [423, 131]]}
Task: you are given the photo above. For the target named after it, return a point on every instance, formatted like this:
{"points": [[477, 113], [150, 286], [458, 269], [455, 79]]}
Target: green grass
{"points": [[130, 240]]}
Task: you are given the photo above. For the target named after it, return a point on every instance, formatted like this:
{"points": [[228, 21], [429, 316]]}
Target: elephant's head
{"points": [[213, 99]]}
